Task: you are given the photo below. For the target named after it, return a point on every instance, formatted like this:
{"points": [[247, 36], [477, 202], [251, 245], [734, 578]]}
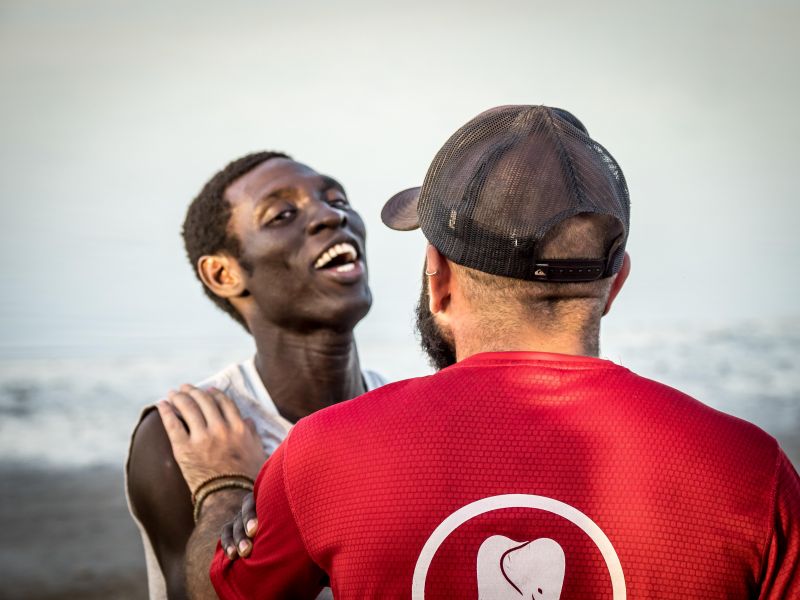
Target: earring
{"points": [[431, 274]]}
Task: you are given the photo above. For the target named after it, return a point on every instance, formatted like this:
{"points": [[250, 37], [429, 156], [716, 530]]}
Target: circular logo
{"points": [[549, 552]]}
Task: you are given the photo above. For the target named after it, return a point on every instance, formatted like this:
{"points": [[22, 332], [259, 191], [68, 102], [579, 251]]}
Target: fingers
{"points": [[226, 540], [227, 406], [189, 410], [243, 543], [176, 432], [208, 405], [249, 517], [198, 408], [235, 536]]}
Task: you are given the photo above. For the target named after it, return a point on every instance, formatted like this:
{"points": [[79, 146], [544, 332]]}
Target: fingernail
{"points": [[231, 552], [251, 526], [244, 545]]}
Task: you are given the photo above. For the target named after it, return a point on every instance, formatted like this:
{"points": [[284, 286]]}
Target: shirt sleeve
{"points": [[781, 570], [279, 565]]}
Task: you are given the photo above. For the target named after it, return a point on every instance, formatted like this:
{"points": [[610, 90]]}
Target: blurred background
{"points": [[114, 113]]}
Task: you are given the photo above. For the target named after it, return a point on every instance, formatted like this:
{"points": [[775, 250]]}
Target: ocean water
{"points": [[76, 411]]}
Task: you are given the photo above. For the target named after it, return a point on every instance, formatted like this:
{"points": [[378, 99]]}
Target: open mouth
{"points": [[340, 257]]}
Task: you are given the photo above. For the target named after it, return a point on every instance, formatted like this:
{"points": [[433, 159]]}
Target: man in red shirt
{"points": [[530, 468]]}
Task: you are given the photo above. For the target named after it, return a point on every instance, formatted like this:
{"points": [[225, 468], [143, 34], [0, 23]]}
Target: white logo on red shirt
{"points": [[534, 563], [508, 569]]}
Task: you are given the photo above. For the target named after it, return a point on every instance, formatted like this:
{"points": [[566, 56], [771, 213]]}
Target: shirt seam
{"points": [[771, 518], [555, 366], [290, 500]]}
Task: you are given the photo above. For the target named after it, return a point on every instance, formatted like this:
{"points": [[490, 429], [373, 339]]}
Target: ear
{"points": [[619, 281], [438, 284], [222, 274]]}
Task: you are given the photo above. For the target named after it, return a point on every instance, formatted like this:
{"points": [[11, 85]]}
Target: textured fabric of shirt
{"points": [[523, 475]]}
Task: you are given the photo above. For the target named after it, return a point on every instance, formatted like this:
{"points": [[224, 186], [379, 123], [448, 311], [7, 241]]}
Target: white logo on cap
{"points": [[452, 223]]}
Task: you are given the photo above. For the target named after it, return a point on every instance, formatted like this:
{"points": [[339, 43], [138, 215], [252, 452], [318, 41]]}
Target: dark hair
{"points": [[205, 228]]}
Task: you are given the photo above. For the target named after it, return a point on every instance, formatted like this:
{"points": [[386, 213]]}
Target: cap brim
{"points": [[400, 212]]}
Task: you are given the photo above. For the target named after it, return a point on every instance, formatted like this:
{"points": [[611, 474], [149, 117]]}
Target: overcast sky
{"points": [[114, 113]]}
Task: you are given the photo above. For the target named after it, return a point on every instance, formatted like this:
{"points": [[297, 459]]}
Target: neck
{"points": [[306, 372], [476, 337]]}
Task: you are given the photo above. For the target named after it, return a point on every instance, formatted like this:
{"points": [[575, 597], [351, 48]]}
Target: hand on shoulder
{"points": [[208, 435]]}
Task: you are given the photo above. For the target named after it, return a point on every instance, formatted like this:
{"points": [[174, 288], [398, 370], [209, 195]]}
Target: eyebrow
{"points": [[290, 192], [286, 192], [328, 183], [331, 183]]}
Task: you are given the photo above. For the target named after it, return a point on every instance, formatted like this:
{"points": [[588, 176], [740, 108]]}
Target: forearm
{"points": [[217, 510]]}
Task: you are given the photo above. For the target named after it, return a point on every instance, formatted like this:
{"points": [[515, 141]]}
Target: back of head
{"points": [[555, 307], [532, 213], [501, 183], [206, 226]]}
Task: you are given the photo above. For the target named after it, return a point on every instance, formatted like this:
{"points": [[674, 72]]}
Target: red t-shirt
{"points": [[523, 475]]}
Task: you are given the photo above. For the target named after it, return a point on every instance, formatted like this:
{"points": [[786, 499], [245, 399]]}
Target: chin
{"points": [[317, 309], [340, 312], [351, 311]]}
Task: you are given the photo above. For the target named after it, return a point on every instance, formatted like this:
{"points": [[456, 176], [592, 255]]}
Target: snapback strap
{"points": [[566, 270]]}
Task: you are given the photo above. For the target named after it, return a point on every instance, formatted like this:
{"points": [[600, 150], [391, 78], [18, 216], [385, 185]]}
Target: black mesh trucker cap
{"points": [[502, 181]]}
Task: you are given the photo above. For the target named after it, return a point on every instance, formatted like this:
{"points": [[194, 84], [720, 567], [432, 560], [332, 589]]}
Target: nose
{"points": [[326, 216]]}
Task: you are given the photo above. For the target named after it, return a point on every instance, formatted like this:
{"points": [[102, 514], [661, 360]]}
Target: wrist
{"points": [[226, 502], [220, 486]]}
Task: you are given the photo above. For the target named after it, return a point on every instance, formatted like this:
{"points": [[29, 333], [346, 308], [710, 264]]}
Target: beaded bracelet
{"points": [[213, 478], [205, 491]]}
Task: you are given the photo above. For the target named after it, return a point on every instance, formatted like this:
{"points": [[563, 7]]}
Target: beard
{"points": [[437, 342]]}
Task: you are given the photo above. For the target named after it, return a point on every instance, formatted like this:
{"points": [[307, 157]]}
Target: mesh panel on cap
{"points": [[504, 179]]}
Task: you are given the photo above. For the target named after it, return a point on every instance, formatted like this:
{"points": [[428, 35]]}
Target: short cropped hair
{"points": [[205, 228], [505, 301]]}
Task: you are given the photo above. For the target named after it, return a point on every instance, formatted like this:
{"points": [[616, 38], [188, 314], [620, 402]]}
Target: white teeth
{"points": [[345, 268], [335, 251]]}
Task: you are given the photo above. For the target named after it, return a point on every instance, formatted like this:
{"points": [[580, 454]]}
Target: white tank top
{"points": [[243, 385]]}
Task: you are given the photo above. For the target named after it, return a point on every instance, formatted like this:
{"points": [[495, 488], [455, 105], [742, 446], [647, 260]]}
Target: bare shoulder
{"points": [[154, 479], [159, 496]]}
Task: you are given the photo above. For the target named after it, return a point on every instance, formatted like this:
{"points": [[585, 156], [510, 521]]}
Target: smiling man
{"points": [[278, 247]]}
